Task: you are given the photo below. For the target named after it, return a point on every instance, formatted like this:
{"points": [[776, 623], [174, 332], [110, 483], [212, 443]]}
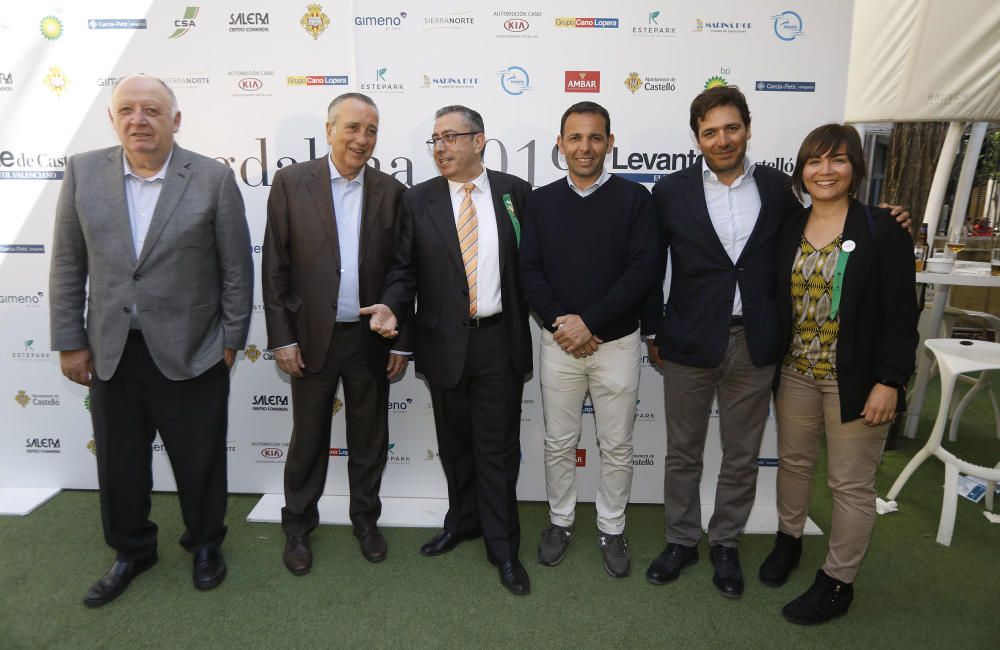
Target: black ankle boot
{"points": [[784, 557], [826, 599]]}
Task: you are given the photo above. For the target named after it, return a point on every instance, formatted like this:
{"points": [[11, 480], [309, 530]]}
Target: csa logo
{"points": [[715, 82], [56, 80], [51, 28], [252, 353], [184, 25], [22, 398], [314, 21]]}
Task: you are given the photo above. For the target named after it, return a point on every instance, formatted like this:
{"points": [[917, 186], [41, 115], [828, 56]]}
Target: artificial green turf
{"points": [[912, 592]]}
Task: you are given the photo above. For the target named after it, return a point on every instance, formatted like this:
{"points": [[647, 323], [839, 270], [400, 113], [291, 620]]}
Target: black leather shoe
{"points": [[776, 568], [444, 542], [668, 564], [728, 578], [825, 600], [114, 583], [209, 567], [373, 545], [514, 577], [298, 556]]}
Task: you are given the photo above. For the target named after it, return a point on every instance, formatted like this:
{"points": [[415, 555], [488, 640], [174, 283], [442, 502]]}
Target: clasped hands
{"points": [[574, 337]]}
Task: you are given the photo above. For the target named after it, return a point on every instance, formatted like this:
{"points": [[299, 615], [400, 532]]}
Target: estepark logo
{"points": [[587, 23], [787, 26], [582, 81], [655, 27], [314, 21], [28, 353], [515, 80], [116, 23], [388, 22], [249, 22], [383, 83], [185, 24]]}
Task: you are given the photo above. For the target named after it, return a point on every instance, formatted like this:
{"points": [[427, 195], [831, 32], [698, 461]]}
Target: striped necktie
{"points": [[468, 242]]}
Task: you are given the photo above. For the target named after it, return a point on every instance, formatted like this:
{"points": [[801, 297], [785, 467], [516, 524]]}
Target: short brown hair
{"points": [[827, 139], [718, 96]]}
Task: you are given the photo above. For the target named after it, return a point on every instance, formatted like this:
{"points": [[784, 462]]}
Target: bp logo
{"points": [[716, 82], [314, 21], [22, 398], [337, 405], [51, 27], [252, 353], [634, 81]]}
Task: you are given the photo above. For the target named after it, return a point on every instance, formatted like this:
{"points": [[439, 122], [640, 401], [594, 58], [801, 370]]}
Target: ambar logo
{"points": [[583, 81], [581, 457]]}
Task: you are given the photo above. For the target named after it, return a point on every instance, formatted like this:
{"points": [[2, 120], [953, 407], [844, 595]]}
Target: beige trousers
{"points": [[805, 407]]}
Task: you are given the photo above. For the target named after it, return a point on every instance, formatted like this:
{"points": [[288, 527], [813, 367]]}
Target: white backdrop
{"points": [[253, 85]]}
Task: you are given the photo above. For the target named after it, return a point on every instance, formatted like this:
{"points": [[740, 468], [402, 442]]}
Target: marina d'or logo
{"points": [[252, 352], [716, 82], [51, 27], [22, 398], [184, 25], [314, 20], [56, 80], [633, 82]]}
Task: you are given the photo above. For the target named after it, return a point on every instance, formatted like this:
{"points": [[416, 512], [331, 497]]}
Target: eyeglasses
{"points": [[448, 138]]}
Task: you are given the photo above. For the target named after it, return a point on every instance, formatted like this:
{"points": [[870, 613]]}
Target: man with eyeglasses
{"points": [[458, 256]]}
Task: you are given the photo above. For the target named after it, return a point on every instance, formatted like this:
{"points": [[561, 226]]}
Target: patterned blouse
{"points": [[813, 351]]}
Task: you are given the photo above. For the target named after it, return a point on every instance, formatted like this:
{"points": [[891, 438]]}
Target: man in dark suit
{"points": [[152, 239], [458, 256], [332, 228], [718, 333]]}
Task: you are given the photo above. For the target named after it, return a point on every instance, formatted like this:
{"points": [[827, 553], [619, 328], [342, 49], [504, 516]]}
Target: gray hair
{"points": [[170, 91], [472, 119], [340, 99]]}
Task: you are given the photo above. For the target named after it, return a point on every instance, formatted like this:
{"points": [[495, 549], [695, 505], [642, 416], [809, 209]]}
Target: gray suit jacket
{"points": [[192, 283]]}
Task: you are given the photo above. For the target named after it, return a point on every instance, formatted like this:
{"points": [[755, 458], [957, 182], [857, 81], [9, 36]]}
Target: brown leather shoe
{"points": [[373, 545], [298, 557]]}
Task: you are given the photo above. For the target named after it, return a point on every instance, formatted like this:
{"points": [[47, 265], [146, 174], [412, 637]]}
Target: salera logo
{"points": [[583, 81]]}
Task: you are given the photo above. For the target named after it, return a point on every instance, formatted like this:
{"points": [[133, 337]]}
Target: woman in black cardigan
{"points": [[848, 318]]}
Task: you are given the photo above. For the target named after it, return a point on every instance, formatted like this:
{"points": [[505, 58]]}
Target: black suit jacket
{"points": [[301, 261], [693, 328], [429, 267], [878, 336]]}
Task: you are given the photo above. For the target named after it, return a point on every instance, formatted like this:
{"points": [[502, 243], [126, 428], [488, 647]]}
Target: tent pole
{"points": [[935, 200], [966, 176]]}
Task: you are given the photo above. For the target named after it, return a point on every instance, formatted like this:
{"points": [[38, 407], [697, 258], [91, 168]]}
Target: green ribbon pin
{"points": [[509, 204], [838, 275]]}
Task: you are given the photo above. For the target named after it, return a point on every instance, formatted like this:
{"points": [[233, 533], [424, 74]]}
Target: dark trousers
{"points": [[366, 398], [478, 426], [191, 417], [744, 394]]}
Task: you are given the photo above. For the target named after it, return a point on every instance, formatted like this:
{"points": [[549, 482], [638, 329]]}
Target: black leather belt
{"points": [[486, 322], [343, 325], [736, 321]]}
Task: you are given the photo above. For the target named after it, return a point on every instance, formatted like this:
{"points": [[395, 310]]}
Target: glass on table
{"points": [[956, 242]]}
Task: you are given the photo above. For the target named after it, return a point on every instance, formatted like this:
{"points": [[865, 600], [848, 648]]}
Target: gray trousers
{"points": [[744, 393]]}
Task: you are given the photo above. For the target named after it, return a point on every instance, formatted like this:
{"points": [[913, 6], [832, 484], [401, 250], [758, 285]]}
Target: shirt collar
{"points": [[158, 176], [481, 182], [601, 180], [335, 174], [708, 175]]}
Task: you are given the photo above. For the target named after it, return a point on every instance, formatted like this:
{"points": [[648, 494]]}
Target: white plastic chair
{"points": [[981, 383], [954, 357]]}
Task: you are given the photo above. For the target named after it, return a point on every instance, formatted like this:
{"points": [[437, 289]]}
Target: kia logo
{"points": [[516, 25], [271, 452], [250, 84]]}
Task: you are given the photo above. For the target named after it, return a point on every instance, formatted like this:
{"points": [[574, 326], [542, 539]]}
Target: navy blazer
{"points": [[428, 267], [878, 338], [692, 329]]}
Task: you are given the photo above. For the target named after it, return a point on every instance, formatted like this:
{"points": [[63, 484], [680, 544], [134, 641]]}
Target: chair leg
{"points": [[949, 504], [933, 442], [956, 416]]}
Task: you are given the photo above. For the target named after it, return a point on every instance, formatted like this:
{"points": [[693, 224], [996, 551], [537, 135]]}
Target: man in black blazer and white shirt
{"points": [[458, 256]]}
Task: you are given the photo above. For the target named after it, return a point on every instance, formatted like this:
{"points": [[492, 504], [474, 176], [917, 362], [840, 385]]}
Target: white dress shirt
{"points": [[141, 194], [347, 201], [488, 266], [585, 192], [733, 210]]}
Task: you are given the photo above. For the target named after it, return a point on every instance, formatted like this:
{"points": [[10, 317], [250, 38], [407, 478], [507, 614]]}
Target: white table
{"points": [[930, 327]]}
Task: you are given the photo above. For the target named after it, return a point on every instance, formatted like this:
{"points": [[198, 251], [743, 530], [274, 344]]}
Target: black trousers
{"points": [[366, 398], [191, 417], [478, 426]]}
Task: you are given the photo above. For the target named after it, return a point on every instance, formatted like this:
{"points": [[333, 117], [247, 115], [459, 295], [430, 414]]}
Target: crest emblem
{"points": [[314, 20], [252, 353], [634, 82], [22, 398]]}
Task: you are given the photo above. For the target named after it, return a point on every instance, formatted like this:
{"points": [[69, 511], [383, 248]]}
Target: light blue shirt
{"points": [[347, 201], [141, 194], [733, 210], [601, 180]]}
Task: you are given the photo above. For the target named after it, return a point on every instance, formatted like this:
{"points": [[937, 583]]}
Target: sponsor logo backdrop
{"points": [[253, 81]]}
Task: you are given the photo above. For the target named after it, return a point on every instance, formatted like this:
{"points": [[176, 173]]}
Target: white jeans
{"points": [[612, 376]]}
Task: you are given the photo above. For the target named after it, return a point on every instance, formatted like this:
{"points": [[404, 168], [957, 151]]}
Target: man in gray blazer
{"points": [[160, 233]]}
